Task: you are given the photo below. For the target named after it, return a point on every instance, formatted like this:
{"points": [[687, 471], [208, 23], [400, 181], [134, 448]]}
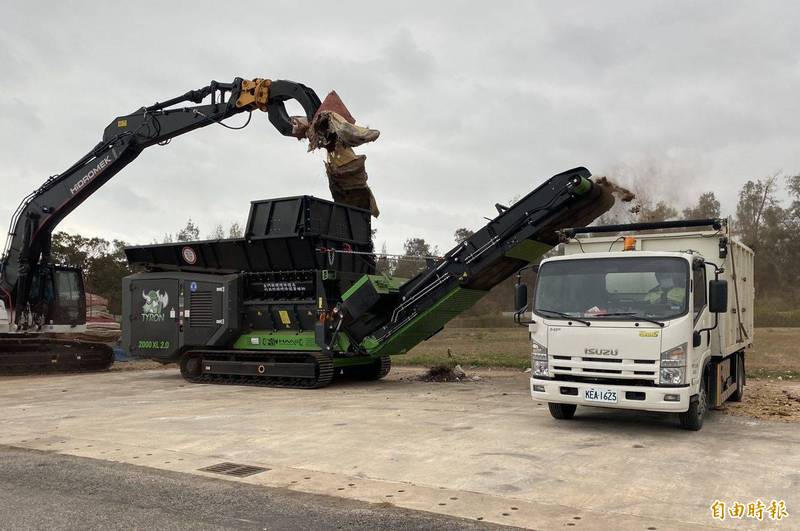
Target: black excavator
{"points": [[43, 303]]}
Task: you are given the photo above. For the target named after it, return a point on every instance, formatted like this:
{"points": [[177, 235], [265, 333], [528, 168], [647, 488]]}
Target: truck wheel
{"points": [[693, 418], [561, 411], [739, 393]]}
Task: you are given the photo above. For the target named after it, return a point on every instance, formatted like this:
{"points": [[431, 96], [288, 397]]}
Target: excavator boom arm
{"points": [[124, 139]]}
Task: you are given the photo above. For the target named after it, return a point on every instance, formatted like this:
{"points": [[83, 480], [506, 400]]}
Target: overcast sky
{"points": [[476, 103]]}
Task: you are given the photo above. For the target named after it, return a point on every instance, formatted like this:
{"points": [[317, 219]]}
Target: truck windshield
{"points": [[613, 288]]}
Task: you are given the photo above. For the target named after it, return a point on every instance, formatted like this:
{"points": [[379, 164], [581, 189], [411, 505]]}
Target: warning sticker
{"points": [[284, 315]]}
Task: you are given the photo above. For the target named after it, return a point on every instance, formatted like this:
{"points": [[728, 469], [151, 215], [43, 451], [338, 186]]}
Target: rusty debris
{"points": [[334, 129]]}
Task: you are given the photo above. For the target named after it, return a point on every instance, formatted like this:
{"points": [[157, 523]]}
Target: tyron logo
{"points": [[154, 304]]}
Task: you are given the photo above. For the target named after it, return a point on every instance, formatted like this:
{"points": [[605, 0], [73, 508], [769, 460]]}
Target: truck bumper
{"points": [[628, 397]]}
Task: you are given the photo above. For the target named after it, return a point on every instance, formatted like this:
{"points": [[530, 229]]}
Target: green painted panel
{"points": [[360, 282], [280, 340], [528, 250], [383, 284], [426, 324]]}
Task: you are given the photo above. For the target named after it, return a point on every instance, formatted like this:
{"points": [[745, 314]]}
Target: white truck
{"points": [[643, 319]]}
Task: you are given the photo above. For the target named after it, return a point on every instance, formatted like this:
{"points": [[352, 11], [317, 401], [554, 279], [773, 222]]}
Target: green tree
{"points": [[462, 234], [103, 264], [416, 250], [106, 272], [756, 200], [218, 233], [235, 230], [385, 264], [765, 226], [707, 207], [189, 233], [661, 211]]}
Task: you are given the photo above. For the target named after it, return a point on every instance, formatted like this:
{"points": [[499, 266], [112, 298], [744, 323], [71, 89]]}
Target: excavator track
{"points": [[25, 355], [295, 370]]}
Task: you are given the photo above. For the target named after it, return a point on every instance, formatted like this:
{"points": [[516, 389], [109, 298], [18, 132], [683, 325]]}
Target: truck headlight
{"points": [[671, 375], [673, 365], [538, 359]]}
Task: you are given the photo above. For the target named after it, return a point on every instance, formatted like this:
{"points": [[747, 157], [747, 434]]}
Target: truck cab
{"points": [[642, 321]]}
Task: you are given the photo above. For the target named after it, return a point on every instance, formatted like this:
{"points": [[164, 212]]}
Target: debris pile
{"points": [[97, 314], [768, 399], [445, 373], [334, 129]]}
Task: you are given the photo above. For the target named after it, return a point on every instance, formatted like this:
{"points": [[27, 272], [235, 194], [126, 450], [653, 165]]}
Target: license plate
{"points": [[596, 394]]}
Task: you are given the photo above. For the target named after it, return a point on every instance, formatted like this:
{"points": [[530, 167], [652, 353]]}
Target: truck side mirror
{"points": [[718, 296], [520, 296]]}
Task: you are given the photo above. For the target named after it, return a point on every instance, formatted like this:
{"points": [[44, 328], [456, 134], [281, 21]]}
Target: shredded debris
{"points": [[624, 195], [620, 192], [444, 373]]}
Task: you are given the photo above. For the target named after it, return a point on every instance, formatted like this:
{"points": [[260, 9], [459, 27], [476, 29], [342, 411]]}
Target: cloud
{"points": [[475, 104]]}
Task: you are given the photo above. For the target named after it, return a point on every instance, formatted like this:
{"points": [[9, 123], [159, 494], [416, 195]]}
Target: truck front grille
{"points": [[574, 367], [604, 380]]}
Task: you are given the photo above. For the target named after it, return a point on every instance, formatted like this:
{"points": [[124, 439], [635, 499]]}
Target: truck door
{"points": [[702, 319]]}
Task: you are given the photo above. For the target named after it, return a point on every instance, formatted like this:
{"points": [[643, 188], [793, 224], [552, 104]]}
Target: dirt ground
{"points": [[773, 364], [768, 400], [775, 354], [139, 365]]}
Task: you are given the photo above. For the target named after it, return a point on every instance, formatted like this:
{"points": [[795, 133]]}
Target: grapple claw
{"points": [[282, 90]]}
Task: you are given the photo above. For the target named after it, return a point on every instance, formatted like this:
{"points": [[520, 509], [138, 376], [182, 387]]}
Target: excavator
{"points": [[42, 303]]}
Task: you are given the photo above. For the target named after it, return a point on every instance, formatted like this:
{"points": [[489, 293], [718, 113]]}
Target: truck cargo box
{"points": [[735, 330]]}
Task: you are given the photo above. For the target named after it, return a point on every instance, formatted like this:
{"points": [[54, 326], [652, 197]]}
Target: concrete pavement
{"points": [[480, 450], [53, 491]]}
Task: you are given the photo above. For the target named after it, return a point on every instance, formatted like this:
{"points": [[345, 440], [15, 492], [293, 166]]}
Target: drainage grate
{"points": [[234, 469]]}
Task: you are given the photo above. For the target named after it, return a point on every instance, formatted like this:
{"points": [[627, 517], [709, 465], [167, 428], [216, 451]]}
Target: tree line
{"points": [[103, 261], [766, 218]]}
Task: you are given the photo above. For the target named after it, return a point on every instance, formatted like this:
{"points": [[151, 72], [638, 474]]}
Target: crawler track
{"points": [[297, 370], [376, 370], [25, 355]]}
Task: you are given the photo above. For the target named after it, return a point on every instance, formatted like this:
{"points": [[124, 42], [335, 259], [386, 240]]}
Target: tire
{"points": [[561, 411], [692, 419], [739, 393]]}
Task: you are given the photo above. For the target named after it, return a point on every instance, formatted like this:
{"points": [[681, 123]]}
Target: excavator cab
{"points": [[70, 297], [58, 297]]}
